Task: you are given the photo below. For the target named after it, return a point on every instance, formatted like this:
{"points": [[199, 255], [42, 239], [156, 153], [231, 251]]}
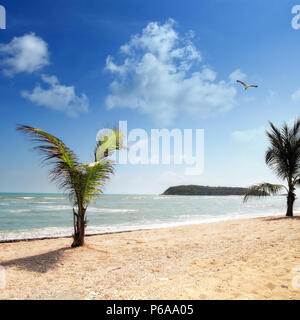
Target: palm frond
{"points": [[263, 190], [56, 154], [108, 142], [296, 127], [283, 156], [93, 178]]}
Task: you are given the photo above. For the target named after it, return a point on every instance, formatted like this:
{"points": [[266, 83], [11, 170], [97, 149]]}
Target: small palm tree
{"points": [[283, 156], [83, 182]]}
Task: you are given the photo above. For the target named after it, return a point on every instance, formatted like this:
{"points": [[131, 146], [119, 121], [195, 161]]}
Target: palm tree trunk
{"points": [[290, 204], [79, 228]]}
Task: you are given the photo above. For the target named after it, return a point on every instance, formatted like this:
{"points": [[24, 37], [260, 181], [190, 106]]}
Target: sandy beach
{"points": [[241, 259]]}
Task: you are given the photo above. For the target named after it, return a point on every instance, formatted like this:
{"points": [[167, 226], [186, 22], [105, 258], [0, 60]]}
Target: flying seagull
{"points": [[246, 86]]}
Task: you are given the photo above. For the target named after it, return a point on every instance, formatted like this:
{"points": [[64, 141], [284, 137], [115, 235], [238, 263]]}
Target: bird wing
{"points": [[253, 86], [241, 82]]}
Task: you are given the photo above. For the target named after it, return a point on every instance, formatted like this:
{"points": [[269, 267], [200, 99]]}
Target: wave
{"points": [[26, 198], [136, 197], [90, 209], [54, 198], [93, 209], [35, 233], [19, 211], [151, 197], [55, 208], [44, 202]]}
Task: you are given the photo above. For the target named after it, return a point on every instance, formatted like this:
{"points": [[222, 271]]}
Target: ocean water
{"points": [[26, 216]]}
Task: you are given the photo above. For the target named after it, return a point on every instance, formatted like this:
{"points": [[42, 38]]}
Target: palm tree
{"points": [[83, 182], [283, 156]]}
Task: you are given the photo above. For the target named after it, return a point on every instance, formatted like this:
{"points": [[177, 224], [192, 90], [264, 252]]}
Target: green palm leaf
{"points": [[56, 154], [110, 141], [283, 156], [93, 179], [263, 190]]}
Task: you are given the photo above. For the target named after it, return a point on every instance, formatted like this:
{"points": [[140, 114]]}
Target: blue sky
{"points": [[58, 60]]}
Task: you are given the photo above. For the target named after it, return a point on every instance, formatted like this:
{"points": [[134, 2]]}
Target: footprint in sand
{"points": [[270, 286]]}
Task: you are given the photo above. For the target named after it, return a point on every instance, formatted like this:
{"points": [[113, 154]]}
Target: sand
{"points": [[241, 259]]}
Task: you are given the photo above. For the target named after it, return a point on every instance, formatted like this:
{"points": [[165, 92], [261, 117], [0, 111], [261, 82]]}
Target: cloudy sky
{"points": [[74, 67]]}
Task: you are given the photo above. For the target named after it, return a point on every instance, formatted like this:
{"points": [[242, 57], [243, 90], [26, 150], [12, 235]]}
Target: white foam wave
{"points": [[137, 198], [44, 202], [55, 208], [54, 198], [104, 210], [19, 211], [35, 233]]}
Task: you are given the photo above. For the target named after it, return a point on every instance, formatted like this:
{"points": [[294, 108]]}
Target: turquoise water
{"points": [[24, 216]]}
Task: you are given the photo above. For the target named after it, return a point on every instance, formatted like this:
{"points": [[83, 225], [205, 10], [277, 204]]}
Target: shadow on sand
{"points": [[282, 218], [40, 263]]}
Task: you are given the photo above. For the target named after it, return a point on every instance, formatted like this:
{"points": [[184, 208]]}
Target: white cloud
{"points": [[57, 97], [24, 54], [156, 79], [237, 75], [252, 135]]}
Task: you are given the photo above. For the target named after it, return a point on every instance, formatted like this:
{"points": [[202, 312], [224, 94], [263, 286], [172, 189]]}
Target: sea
{"points": [[31, 216]]}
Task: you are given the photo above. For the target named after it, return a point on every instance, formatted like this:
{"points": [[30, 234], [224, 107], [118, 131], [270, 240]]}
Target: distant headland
{"points": [[194, 190]]}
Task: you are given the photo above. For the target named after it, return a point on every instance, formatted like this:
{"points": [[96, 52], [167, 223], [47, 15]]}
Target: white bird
{"points": [[246, 86]]}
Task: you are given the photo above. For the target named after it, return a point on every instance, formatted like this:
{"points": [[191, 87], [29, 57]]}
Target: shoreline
{"points": [[236, 259], [132, 230], [69, 237]]}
